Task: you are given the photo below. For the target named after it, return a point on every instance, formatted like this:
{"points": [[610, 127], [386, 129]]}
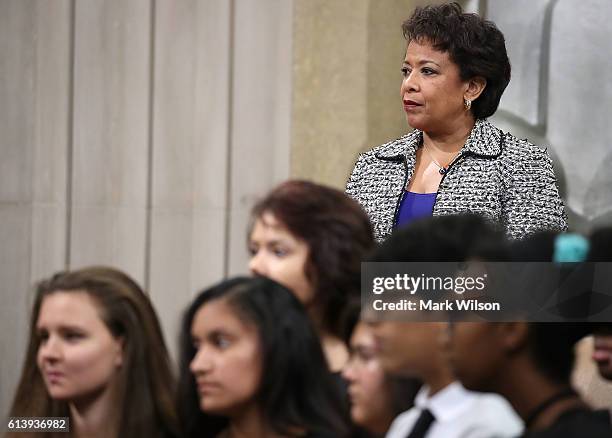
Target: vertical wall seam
{"points": [[70, 127], [542, 111], [150, 150], [291, 89], [230, 140], [483, 9]]}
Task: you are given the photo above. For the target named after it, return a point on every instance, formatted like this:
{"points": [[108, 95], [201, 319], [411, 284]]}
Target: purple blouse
{"points": [[415, 206]]}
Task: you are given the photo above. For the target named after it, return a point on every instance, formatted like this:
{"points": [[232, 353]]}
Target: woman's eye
{"points": [[43, 336], [220, 341], [428, 71], [366, 356], [223, 342], [405, 71], [73, 336], [280, 252]]}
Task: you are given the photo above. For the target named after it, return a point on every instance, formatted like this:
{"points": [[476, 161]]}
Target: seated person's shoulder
{"points": [[578, 424]]}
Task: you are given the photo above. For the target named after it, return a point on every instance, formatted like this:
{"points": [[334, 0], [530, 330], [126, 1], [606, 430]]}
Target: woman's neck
{"points": [[528, 390], [250, 423], [96, 416], [438, 376], [382, 425], [451, 139], [334, 349]]}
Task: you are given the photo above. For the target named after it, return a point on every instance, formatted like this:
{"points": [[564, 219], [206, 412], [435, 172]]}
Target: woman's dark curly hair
{"points": [[338, 234], [476, 45]]}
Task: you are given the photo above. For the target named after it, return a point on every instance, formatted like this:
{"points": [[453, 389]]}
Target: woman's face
{"points": [[408, 348], [77, 356], [279, 255], [432, 90], [227, 365], [370, 396]]}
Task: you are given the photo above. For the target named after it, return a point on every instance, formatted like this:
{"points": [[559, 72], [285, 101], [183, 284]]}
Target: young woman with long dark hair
{"points": [[252, 365], [97, 355]]}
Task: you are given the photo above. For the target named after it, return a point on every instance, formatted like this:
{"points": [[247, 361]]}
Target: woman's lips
{"points": [[54, 376], [204, 387], [410, 105], [353, 395], [602, 356]]}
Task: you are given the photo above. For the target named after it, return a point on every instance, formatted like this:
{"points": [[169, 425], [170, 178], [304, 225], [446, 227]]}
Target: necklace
{"points": [[441, 169]]}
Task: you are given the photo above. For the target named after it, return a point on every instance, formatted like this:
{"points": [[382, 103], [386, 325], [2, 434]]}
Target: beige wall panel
{"points": [[189, 153], [261, 115], [190, 251], [386, 119], [329, 117], [18, 100], [14, 311], [14, 235], [109, 186], [346, 66], [34, 83], [51, 138], [48, 239], [105, 235]]}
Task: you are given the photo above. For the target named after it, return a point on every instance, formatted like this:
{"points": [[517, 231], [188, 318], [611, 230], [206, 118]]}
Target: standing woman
{"points": [[97, 355], [252, 366], [312, 239], [455, 71]]}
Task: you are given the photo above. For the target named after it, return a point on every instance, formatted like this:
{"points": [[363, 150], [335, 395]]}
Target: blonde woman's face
{"points": [[78, 357], [279, 255]]}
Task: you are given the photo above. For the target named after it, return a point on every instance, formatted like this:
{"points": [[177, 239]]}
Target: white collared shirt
{"points": [[460, 413]]}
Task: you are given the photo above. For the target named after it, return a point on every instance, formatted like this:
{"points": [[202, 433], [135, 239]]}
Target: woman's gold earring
{"points": [[467, 103]]}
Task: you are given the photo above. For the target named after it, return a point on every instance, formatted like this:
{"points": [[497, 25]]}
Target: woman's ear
{"points": [[120, 351], [515, 336], [475, 87]]}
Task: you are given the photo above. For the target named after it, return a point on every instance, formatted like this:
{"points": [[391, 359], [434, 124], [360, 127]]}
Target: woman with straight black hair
{"points": [[252, 365]]}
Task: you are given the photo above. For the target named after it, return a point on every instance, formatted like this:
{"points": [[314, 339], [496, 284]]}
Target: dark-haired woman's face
{"points": [[279, 255], [370, 396], [227, 365], [77, 356], [432, 90]]}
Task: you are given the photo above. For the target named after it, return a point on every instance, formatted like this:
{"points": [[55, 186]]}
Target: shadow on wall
{"points": [[559, 98], [551, 45]]}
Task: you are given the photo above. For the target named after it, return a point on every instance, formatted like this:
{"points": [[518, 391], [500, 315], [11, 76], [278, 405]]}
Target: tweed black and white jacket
{"points": [[506, 180]]}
